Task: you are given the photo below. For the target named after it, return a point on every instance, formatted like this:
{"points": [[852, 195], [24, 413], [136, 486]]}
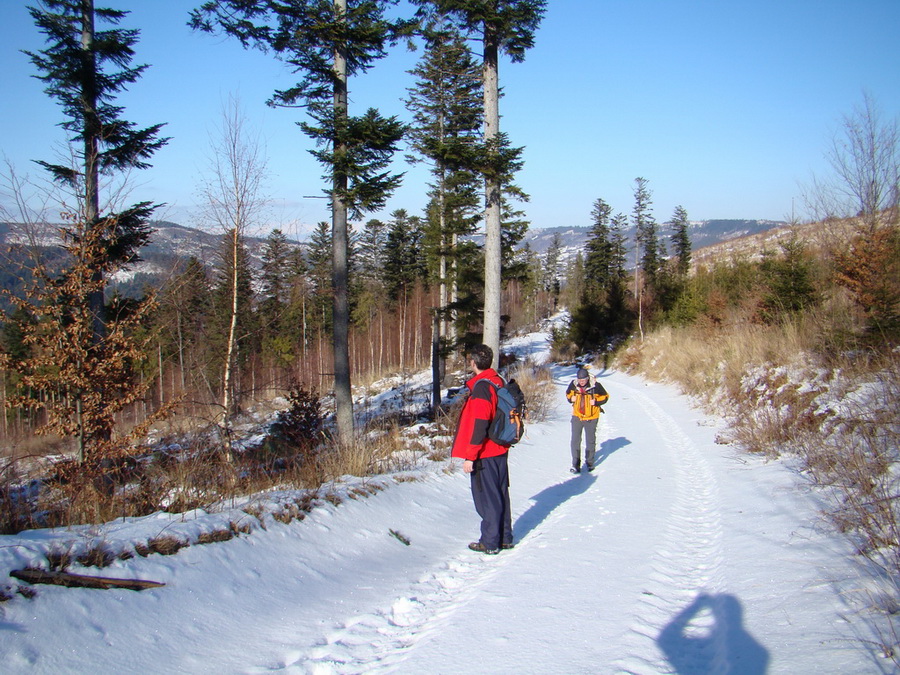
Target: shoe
{"points": [[575, 469], [506, 547], [481, 548], [590, 467]]}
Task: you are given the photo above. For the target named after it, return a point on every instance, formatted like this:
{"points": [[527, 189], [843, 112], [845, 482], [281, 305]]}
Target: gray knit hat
{"points": [[582, 374]]}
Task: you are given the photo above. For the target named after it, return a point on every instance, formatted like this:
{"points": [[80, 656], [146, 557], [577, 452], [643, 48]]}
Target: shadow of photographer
{"points": [[707, 636]]}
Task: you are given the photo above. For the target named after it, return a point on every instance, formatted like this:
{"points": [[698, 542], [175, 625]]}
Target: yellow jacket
{"points": [[586, 401]]}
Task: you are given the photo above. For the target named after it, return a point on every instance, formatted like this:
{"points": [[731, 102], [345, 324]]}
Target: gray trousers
{"points": [[590, 441]]}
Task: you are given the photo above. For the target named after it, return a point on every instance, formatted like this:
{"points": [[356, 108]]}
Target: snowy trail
{"points": [[676, 555], [622, 570]]}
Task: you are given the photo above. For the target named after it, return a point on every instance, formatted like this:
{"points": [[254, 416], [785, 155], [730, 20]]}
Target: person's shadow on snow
{"points": [[608, 447], [707, 636], [548, 499]]}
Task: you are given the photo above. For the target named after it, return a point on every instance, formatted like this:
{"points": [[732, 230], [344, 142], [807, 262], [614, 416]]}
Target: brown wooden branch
{"points": [[34, 576]]}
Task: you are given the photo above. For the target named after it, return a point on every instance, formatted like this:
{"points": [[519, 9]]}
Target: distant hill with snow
{"points": [[172, 244]]}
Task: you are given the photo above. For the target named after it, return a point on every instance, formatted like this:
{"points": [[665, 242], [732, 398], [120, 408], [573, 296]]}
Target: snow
{"points": [[676, 555]]}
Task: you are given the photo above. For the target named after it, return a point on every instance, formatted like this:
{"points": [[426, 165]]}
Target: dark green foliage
{"points": [[447, 120], [298, 429], [318, 260], [514, 22], [358, 149], [307, 34], [599, 324], [598, 251], [646, 233], [404, 259], [790, 281], [681, 241], [79, 80], [602, 315]]}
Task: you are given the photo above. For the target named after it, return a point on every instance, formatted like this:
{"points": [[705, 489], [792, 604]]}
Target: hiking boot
{"points": [[481, 548], [506, 547], [590, 467], [575, 469]]}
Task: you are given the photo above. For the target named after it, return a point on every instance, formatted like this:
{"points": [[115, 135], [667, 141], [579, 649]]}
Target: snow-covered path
{"points": [[676, 555]]}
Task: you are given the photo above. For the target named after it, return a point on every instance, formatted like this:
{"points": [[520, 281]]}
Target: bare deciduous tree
{"points": [[234, 201], [864, 157]]}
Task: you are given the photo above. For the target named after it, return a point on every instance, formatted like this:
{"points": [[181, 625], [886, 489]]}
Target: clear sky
{"points": [[725, 107]]}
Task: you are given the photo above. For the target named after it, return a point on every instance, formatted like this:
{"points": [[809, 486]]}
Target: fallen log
{"points": [[33, 576]]}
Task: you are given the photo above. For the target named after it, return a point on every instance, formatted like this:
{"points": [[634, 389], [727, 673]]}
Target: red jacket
{"points": [[471, 440]]}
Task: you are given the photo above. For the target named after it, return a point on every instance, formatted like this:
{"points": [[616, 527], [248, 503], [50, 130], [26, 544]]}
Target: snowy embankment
{"points": [[676, 555]]}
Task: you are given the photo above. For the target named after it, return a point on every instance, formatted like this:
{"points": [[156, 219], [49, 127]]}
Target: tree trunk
{"points": [[343, 398], [492, 197], [435, 365], [227, 401]]}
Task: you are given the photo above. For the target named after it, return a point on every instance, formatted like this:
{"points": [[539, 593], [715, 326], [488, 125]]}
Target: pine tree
{"points": [[78, 68], [326, 43], [645, 232], [681, 241], [507, 27], [598, 251], [276, 334], [550, 266], [404, 263], [447, 121], [318, 257]]}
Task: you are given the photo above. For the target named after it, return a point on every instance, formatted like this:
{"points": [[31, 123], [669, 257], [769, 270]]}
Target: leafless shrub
{"points": [[59, 559]]}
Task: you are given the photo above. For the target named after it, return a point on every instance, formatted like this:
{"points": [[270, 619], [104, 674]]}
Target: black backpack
{"points": [[508, 425]]}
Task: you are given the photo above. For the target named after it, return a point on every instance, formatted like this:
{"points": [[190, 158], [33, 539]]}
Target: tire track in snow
{"points": [[688, 560]]}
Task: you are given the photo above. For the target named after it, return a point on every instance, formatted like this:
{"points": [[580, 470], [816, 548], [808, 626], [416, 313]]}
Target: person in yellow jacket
{"points": [[586, 397]]}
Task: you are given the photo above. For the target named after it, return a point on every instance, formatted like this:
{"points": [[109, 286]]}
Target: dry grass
{"points": [[537, 385]]}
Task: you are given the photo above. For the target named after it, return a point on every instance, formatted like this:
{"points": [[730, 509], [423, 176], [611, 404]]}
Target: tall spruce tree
{"points": [[447, 119], [325, 43], [647, 238], [550, 267], [278, 266], [78, 69], [506, 26], [319, 259], [681, 241], [598, 251], [85, 69]]}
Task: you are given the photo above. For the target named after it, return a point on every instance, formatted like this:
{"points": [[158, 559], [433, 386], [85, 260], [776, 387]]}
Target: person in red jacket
{"points": [[483, 459]]}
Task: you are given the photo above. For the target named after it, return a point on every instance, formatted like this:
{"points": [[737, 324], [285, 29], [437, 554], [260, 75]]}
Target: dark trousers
{"points": [[590, 441], [490, 492]]}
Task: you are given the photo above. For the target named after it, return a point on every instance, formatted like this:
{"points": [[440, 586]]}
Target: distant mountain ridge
{"points": [[702, 233], [171, 244]]}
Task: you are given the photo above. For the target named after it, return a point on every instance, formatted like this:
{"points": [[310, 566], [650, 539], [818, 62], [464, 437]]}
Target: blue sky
{"points": [[726, 108]]}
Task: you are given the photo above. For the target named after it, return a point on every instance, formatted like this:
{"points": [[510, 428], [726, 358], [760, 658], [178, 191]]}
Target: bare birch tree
{"points": [[234, 201]]}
